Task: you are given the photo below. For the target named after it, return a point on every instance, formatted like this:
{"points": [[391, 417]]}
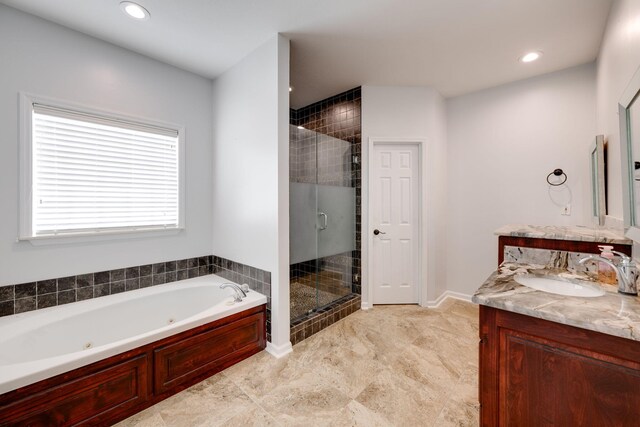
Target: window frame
{"points": [[25, 187]]}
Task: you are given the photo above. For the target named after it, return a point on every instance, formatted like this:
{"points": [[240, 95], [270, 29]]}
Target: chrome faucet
{"points": [[625, 271], [239, 293]]}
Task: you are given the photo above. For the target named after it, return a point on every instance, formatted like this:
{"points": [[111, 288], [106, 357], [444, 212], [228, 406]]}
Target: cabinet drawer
{"points": [[88, 398], [207, 352]]}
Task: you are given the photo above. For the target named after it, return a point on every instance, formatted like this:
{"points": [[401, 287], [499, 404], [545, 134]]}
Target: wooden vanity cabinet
{"points": [[535, 372]]}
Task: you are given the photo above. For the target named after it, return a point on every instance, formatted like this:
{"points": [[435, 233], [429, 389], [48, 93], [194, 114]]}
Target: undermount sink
{"points": [[558, 286]]}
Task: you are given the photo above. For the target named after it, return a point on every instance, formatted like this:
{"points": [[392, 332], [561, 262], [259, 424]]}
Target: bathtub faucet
{"points": [[239, 293]]}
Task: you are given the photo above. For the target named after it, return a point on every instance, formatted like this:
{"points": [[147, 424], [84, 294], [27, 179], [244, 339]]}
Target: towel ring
{"points": [[557, 172]]}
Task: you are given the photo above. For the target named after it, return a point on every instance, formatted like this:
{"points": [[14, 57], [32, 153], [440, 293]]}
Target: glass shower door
{"points": [[303, 221], [322, 220]]}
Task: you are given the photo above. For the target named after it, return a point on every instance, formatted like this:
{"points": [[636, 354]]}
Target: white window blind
{"points": [[92, 174]]}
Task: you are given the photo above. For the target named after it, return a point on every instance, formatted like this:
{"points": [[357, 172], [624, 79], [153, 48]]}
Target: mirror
{"points": [[598, 177], [629, 112]]}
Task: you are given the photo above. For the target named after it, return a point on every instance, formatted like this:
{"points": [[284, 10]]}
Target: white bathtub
{"points": [[43, 343]]}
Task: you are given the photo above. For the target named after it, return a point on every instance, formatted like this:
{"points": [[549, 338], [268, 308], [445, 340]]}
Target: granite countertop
{"points": [[574, 233], [613, 313]]}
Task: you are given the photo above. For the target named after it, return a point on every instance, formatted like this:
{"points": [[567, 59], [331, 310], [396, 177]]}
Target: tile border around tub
{"points": [[257, 279], [23, 297], [15, 299]]}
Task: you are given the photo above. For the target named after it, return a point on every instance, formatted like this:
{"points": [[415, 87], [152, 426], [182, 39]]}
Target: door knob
{"points": [[376, 232]]}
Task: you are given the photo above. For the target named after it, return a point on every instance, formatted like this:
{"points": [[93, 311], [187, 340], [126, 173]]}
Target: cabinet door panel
{"points": [[545, 383], [207, 352], [114, 389]]}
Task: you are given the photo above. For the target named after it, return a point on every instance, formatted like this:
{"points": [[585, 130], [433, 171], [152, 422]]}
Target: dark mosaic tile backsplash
{"points": [[30, 296]]}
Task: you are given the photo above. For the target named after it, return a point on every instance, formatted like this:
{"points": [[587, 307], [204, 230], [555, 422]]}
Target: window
{"points": [[86, 173]]}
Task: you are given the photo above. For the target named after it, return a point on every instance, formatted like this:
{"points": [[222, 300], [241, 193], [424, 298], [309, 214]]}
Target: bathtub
{"points": [[44, 343]]}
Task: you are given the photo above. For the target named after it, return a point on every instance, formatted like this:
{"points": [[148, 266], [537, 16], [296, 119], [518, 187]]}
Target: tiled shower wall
{"points": [[328, 162], [338, 120], [30, 296]]}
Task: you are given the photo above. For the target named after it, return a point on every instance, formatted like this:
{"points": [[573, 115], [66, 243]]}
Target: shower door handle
{"points": [[325, 220]]}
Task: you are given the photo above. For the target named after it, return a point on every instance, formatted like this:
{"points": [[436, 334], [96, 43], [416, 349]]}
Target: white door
{"points": [[395, 204]]}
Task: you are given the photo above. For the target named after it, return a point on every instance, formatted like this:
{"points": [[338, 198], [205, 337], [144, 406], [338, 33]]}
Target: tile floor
{"points": [[304, 297], [389, 366]]}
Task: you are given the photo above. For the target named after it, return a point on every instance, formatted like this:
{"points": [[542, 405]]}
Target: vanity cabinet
{"points": [[534, 372]]}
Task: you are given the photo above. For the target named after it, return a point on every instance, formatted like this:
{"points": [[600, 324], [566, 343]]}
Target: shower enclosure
{"points": [[322, 220]]}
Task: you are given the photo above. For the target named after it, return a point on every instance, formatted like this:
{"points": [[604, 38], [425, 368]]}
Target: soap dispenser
{"points": [[606, 273]]}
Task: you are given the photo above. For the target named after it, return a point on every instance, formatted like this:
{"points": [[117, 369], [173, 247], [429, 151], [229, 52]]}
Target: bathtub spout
{"points": [[239, 293]]}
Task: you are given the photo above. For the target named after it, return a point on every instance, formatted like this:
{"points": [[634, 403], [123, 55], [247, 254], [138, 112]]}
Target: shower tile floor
{"points": [[396, 365], [305, 297]]}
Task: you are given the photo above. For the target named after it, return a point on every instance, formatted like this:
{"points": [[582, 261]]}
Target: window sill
{"points": [[99, 236]]}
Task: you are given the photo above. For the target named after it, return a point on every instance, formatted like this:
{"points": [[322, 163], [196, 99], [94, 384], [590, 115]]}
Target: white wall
{"points": [[502, 143], [251, 170], [410, 112], [46, 59], [618, 60]]}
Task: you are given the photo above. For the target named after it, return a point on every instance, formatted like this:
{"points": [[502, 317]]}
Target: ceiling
{"points": [[456, 46]]}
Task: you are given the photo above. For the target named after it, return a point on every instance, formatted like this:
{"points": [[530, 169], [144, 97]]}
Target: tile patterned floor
{"points": [[389, 366]]}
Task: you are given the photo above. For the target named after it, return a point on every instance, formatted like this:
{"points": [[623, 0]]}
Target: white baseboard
{"points": [[365, 306], [279, 351], [448, 294]]}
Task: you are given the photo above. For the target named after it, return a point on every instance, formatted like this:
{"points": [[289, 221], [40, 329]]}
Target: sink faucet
{"points": [[625, 271], [239, 293]]}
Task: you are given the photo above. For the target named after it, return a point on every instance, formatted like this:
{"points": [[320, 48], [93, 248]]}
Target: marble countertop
{"points": [[555, 232], [613, 313]]}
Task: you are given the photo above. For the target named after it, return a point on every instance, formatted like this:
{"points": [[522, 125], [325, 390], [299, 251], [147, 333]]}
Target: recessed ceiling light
{"points": [[134, 10], [531, 56], [290, 88]]}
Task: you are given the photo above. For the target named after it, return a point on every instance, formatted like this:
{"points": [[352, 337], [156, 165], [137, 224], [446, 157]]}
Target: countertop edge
{"points": [[613, 314], [616, 332]]}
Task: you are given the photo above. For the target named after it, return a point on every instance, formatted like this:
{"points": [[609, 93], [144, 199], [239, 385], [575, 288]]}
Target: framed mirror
{"points": [[598, 183], [629, 114]]}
